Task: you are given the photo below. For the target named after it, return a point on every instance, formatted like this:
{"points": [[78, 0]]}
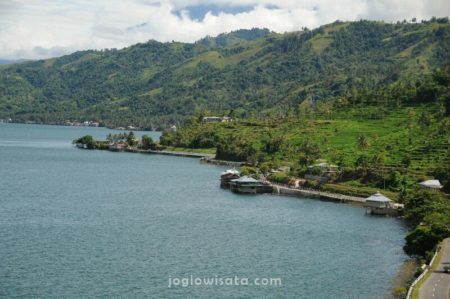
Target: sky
{"points": [[36, 29]]}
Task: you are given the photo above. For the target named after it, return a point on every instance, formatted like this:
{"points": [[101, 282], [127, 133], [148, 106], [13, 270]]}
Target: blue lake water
{"points": [[78, 223]]}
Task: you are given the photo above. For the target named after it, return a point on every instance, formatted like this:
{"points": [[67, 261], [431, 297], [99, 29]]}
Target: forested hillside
{"points": [[248, 72]]}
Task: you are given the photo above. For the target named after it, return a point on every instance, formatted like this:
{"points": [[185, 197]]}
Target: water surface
{"points": [[78, 223]]}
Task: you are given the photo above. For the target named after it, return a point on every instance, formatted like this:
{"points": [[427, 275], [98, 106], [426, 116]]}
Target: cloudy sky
{"points": [[45, 28]]}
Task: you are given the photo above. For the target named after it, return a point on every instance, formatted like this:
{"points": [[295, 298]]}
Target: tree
{"points": [[429, 211], [379, 158], [362, 162], [424, 119], [363, 142], [147, 142], [86, 141], [421, 202], [273, 145], [420, 240], [131, 139]]}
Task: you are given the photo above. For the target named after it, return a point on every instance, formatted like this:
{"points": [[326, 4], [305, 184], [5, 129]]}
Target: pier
{"points": [[171, 153], [212, 160], [283, 190]]}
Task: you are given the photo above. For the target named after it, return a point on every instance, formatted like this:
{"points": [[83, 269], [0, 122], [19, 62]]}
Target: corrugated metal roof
{"points": [[323, 165], [245, 179]]}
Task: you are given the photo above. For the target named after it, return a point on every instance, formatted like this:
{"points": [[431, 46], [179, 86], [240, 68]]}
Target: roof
{"points": [[378, 197], [230, 171], [323, 165], [245, 179], [431, 184]]}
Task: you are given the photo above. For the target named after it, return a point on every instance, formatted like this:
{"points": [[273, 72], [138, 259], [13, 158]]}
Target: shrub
{"points": [[147, 142], [280, 177], [87, 140], [399, 292], [249, 170]]}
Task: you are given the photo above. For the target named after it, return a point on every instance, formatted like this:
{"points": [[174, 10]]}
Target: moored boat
{"points": [[227, 176]]}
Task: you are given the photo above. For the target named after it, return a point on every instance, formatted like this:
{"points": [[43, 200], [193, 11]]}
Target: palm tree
{"points": [[363, 142]]}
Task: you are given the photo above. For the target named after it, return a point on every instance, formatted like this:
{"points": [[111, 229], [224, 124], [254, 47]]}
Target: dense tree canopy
{"points": [[247, 71]]}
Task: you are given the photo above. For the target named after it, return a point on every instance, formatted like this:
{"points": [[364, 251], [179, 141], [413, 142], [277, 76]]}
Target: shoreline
{"points": [[168, 153], [77, 126], [316, 194], [402, 278], [278, 189]]}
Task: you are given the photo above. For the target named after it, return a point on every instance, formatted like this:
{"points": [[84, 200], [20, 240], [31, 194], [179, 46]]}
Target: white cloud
{"points": [[46, 28]]}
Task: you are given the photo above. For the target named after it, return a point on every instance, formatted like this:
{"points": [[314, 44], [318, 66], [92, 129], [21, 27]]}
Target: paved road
{"points": [[437, 286]]}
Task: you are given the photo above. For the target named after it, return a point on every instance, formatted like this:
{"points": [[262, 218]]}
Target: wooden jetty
{"points": [[282, 190]]}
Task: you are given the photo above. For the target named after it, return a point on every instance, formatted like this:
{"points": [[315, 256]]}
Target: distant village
{"points": [[70, 123], [88, 123], [92, 123]]}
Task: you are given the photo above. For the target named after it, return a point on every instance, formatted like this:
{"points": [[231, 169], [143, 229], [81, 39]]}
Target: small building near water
{"points": [[431, 184], [378, 204], [322, 172], [216, 119], [249, 185], [117, 146]]}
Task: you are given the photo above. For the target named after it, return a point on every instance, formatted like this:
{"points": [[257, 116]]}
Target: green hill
{"points": [[252, 72]]}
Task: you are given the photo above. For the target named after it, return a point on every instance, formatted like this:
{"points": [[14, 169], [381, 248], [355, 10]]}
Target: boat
{"points": [[227, 176]]}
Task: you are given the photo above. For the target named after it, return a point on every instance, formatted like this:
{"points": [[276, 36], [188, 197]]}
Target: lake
{"points": [[77, 223]]}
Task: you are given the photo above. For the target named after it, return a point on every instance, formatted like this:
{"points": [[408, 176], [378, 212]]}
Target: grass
{"points": [[84, 58], [360, 191], [147, 73], [212, 57], [211, 151], [320, 43], [152, 92], [395, 134], [403, 278]]}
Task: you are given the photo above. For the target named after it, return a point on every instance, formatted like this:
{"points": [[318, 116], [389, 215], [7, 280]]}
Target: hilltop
{"points": [[249, 72]]}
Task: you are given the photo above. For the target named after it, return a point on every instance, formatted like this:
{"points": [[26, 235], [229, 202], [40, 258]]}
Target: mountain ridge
{"points": [[249, 71]]}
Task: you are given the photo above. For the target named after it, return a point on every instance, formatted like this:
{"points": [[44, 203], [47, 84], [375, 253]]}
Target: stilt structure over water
{"points": [[249, 185], [378, 204]]}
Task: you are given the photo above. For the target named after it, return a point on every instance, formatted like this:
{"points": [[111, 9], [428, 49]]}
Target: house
{"points": [[378, 200], [216, 119], [281, 169], [322, 172], [172, 128], [117, 146], [431, 184], [249, 185], [379, 204], [324, 167]]}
